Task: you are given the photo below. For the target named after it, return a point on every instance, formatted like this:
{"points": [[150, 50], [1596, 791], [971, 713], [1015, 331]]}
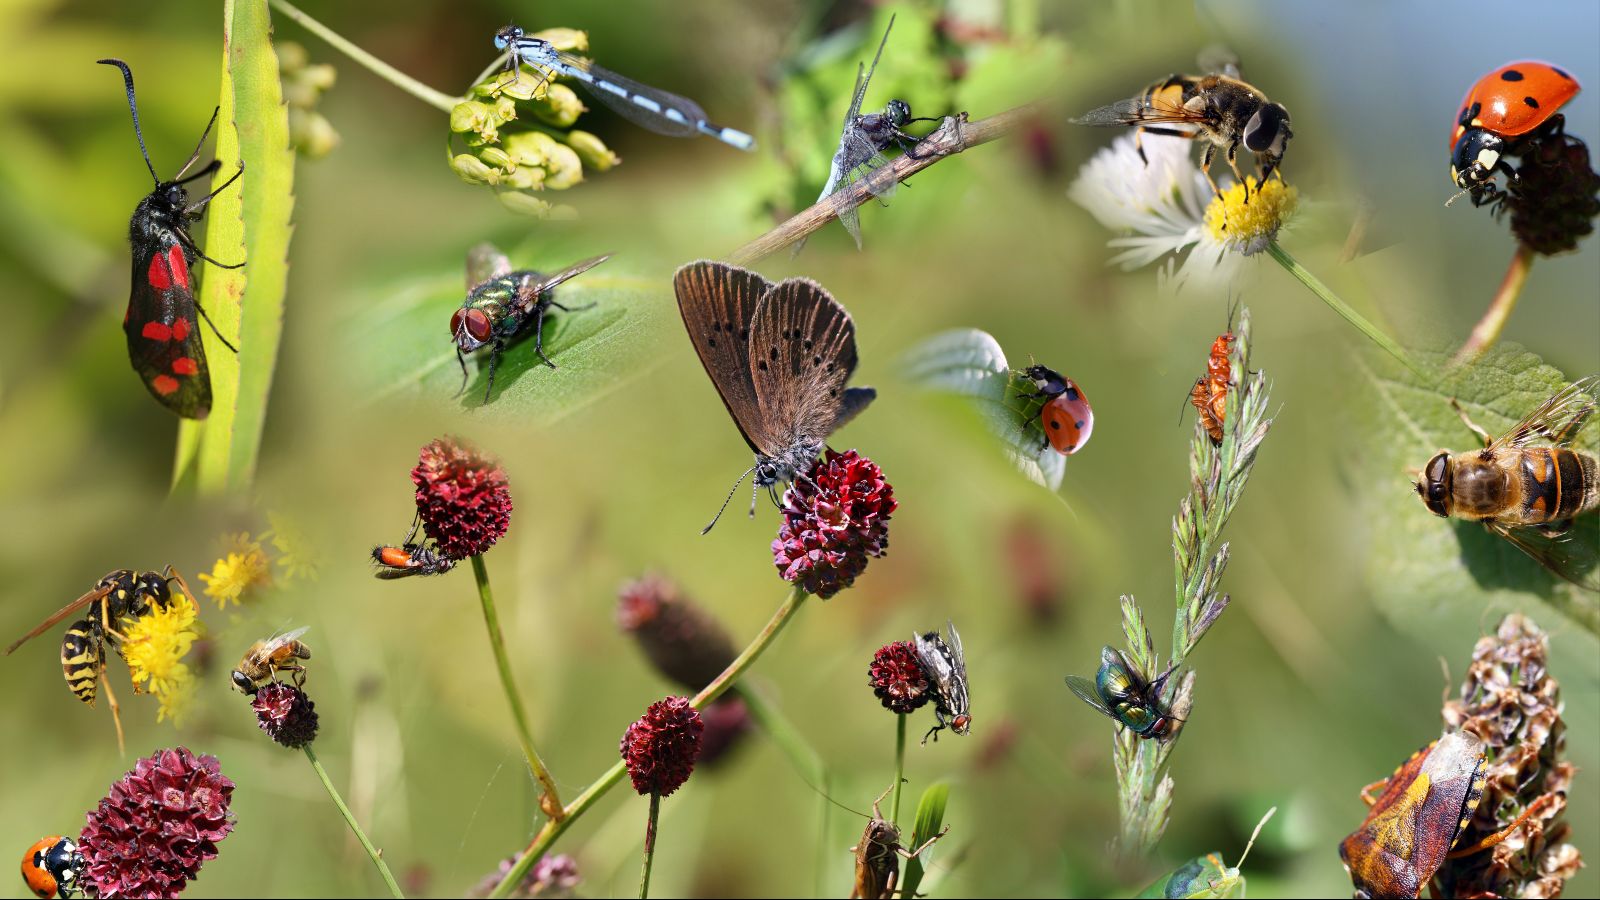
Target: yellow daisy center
{"points": [[1246, 217]]}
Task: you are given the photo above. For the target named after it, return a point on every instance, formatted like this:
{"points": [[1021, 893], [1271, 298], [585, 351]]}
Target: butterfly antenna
{"points": [[127, 79], [723, 508]]}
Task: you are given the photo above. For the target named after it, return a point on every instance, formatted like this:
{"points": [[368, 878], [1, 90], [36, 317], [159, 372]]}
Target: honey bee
{"points": [[1220, 107], [265, 659], [1526, 494], [122, 595]]}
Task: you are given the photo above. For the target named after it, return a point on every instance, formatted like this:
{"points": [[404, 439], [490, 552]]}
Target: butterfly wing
{"points": [[163, 332], [718, 302], [485, 262], [802, 350]]}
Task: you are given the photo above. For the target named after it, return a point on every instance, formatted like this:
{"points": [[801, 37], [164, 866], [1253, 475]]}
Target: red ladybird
{"points": [[53, 865], [1505, 107], [1066, 417], [1210, 392]]}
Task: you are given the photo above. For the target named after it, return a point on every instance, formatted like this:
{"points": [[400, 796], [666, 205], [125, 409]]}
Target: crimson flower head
{"points": [[834, 518], [681, 639], [661, 748], [286, 714], [727, 721], [1553, 201], [898, 678], [149, 835], [463, 498]]}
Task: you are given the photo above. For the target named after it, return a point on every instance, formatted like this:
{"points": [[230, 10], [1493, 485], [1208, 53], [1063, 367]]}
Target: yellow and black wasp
{"points": [[121, 596]]}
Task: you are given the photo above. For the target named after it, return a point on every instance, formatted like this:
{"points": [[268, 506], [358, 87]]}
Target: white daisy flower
{"points": [[1166, 207]]}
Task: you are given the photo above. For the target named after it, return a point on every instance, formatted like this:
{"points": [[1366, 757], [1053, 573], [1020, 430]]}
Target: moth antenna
{"points": [[1254, 835], [127, 79], [723, 508]]}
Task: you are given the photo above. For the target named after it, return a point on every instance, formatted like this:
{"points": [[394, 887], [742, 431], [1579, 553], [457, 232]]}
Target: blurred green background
{"points": [[1305, 690]]}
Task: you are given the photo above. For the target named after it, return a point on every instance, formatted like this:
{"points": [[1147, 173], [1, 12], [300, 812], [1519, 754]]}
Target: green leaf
{"points": [[930, 819], [596, 351], [1429, 573], [969, 362], [249, 222]]}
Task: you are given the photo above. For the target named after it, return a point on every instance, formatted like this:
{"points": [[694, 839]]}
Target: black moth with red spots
{"points": [[163, 333]]}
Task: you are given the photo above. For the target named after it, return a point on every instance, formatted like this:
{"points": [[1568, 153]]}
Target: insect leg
{"points": [[1205, 168], [572, 308], [210, 168], [1233, 163], [912, 854], [1474, 426], [1366, 792], [538, 336], [1537, 806], [494, 363], [192, 209], [460, 358], [207, 317], [172, 574]]}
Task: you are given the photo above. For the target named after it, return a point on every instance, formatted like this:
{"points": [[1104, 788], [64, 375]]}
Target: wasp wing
{"points": [[60, 614], [1557, 420], [1565, 557], [1084, 688]]}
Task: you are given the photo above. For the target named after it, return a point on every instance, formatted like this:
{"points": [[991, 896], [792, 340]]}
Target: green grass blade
{"points": [[930, 818]]}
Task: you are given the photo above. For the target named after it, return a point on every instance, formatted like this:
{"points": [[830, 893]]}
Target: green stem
{"points": [[550, 803], [376, 66], [1488, 329], [805, 759], [366, 844], [1327, 296], [649, 844], [899, 767], [554, 828]]}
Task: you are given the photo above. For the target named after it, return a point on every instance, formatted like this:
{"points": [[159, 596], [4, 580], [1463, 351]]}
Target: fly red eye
{"points": [[478, 324], [455, 322]]}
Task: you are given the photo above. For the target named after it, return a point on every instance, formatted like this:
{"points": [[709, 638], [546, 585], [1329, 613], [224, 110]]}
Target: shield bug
{"points": [[947, 672], [163, 335], [878, 855], [502, 304], [1414, 824], [1119, 690], [1207, 876]]}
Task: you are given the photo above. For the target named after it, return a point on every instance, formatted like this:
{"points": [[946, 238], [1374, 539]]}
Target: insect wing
{"points": [[862, 81], [673, 115], [163, 331], [485, 263], [1557, 420], [60, 614], [550, 281], [717, 303], [802, 350], [1135, 112], [1221, 60], [1086, 692], [1564, 555], [273, 643]]}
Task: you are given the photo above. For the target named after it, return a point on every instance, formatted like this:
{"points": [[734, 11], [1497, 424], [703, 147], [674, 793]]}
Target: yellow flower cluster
{"points": [[297, 555], [244, 566], [155, 646]]}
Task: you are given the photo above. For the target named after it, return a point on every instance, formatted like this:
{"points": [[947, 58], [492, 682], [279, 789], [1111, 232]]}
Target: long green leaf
{"points": [[930, 818], [250, 223]]}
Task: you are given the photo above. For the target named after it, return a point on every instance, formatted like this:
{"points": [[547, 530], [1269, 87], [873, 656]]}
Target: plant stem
{"points": [[1327, 296], [554, 828], [899, 766], [1488, 329], [805, 759], [366, 844], [550, 803], [953, 136], [376, 66], [649, 844]]}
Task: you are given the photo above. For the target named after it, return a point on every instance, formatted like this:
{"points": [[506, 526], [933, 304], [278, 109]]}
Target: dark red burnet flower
{"points": [[680, 638], [150, 834], [898, 679], [661, 748], [727, 721], [286, 714], [834, 518], [1553, 200], [463, 498]]}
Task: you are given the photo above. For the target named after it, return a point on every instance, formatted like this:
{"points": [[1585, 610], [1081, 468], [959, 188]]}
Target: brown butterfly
{"points": [[779, 354]]}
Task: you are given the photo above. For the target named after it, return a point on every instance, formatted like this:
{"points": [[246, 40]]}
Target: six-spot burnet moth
{"points": [[163, 333]]}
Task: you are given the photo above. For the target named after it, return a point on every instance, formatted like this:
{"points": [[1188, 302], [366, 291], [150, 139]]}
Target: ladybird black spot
{"points": [[1055, 424], [1511, 75], [1079, 424], [1072, 394], [1561, 73], [1531, 102]]}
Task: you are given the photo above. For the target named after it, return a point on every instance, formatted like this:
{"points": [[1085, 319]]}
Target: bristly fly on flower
{"points": [[947, 670]]}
